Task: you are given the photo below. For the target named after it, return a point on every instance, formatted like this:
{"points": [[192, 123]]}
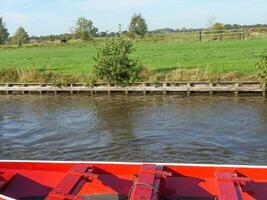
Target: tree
{"points": [[228, 26], [85, 29], [114, 62], [138, 25], [218, 26], [51, 38], [21, 37], [237, 26], [3, 32]]}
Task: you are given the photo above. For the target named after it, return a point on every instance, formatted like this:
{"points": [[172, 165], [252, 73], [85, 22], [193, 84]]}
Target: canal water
{"points": [[200, 129]]}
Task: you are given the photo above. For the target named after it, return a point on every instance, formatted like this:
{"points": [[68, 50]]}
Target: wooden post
{"points": [[264, 89], [7, 85], [109, 92], [144, 85], [40, 91], [221, 36], [200, 36], [240, 34], [188, 89], [165, 85], [247, 34], [22, 91], [236, 89], [71, 92], [211, 91]]}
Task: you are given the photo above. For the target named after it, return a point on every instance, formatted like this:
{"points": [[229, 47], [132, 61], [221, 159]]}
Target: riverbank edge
{"points": [[140, 87]]}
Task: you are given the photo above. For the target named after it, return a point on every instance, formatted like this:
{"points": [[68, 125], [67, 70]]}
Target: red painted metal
{"points": [[57, 181], [72, 183], [5, 178]]}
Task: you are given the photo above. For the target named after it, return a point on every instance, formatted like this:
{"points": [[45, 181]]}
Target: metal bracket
{"points": [[163, 174], [229, 185]]}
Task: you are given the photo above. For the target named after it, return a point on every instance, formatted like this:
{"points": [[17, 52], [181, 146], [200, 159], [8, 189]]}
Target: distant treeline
{"points": [[226, 27], [85, 30], [69, 36]]}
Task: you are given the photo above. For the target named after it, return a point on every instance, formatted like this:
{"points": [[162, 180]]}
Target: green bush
{"points": [[114, 62], [261, 66]]}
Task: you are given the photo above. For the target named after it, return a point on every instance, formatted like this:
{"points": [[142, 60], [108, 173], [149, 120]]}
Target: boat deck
{"points": [[58, 181]]}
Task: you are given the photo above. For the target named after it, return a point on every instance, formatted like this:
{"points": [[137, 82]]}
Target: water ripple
{"points": [[198, 129]]}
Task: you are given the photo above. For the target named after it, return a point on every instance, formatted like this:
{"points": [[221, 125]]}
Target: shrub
{"points": [[218, 26], [114, 62], [261, 66], [9, 75]]}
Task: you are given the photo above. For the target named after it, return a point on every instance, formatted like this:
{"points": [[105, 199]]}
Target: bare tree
{"points": [[211, 20]]}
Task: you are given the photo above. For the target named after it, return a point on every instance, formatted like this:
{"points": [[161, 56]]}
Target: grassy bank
{"points": [[15, 75], [215, 57]]}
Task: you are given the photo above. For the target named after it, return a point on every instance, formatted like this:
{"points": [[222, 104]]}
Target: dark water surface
{"points": [[224, 130]]}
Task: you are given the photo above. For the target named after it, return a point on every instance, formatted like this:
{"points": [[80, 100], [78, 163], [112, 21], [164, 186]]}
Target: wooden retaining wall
{"points": [[164, 88]]}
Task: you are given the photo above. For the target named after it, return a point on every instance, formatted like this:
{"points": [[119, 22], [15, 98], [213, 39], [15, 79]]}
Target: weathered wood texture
{"points": [[166, 87]]}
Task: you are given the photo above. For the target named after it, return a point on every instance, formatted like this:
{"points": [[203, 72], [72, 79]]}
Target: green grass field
{"points": [[215, 56]]}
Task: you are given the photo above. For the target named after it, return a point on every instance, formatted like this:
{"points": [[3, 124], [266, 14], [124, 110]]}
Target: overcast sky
{"points": [[43, 17]]}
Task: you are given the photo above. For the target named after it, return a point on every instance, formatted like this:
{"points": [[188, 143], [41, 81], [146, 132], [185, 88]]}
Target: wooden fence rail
{"points": [[164, 88], [240, 34]]}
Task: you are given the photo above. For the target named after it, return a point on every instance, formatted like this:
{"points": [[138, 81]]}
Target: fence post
{"points": [[221, 36], [200, 36], [247, 34]]}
